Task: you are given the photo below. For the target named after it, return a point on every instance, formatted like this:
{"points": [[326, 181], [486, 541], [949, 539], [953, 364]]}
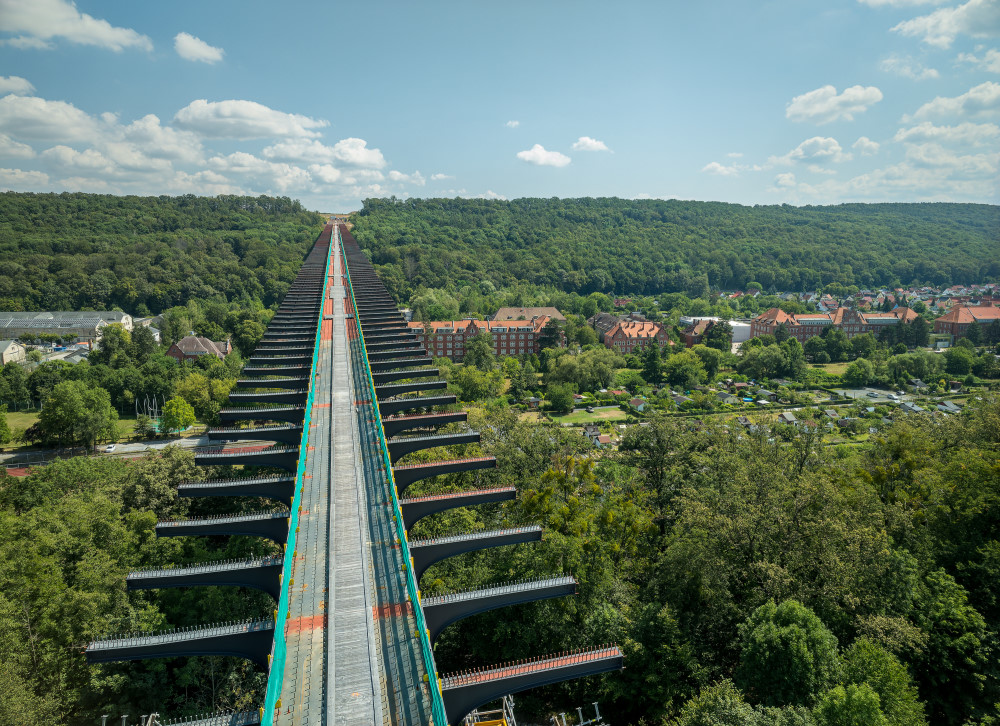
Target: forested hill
{"points": [[147, 254], [654, 246]]}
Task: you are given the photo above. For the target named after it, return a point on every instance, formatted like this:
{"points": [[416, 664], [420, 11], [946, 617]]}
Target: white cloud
{"points": [[40, 21], [735, 154], [538, 155], [415, 178], [191, 48], [18, 180], [355, 151], [968, 166], [964, 134], [162, 141], [824, 104], [267, 174], [63, 158], [908, 68], [512, 124], [235, 119], [978, 18], [325, 173], [585, 143], [818, 149], [440, 177], [11, 149], [28, 117], [982, 100], [16, 85], [865, 146], [989, 62], [718, 169], [784, 180]]}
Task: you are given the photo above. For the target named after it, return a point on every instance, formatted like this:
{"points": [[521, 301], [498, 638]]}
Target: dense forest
{"points": [[748, 580], [144, 255], [653, 246]]}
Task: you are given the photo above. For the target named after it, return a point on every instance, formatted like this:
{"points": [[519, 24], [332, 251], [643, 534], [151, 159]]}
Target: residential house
{"points": [[12, 352], [193, 347], [787, 417], [639, 404], [767, 395]]}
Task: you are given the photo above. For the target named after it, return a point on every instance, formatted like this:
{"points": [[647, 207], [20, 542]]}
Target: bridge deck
{"points": [[329, 675]]}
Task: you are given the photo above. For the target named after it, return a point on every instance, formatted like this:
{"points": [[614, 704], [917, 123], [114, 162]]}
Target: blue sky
{"points": [[777, 101]]}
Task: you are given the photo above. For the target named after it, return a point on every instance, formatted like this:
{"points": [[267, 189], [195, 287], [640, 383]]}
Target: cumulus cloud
{"points": [[440, 177], [964, 134], [16, 85], [415, 178], [235, 119], [355, 151], [784, 180], [825, 105], [262, 173], [718, 169], [990, 61], [818, 149], [11, 149], [351, 151], [18, 180], [325, 173], [191, 48], [908, 68], [512, 124], [865, 146], [968, 166], [585, 143], [981, 100], [28, 117], [36, 23], [978, 18], [162, 141], [539, 156]]}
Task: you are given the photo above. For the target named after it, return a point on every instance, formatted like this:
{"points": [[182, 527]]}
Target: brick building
{"points": [[630, 335], [806, 325], [957, 320], [447, 338]]}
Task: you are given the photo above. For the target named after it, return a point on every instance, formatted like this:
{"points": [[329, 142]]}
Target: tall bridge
{"points": [[334, 396]]}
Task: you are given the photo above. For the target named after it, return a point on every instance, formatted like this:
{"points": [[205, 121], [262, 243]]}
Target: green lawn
{"points": [[834, 369], [20, 421], [598, 416]]}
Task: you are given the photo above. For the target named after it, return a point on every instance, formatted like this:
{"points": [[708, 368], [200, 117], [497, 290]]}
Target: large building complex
{"points": [[957, 320], [84, 326], [447, 339], [806, 325], [629, 332]]}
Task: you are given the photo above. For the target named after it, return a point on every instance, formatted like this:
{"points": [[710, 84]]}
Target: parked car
{"points": [[590, 409], [109, 449], [872, 394]]}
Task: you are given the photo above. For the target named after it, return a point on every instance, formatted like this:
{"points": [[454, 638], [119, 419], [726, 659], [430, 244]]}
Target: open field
{"points": [[834, 369], [598, 416]]}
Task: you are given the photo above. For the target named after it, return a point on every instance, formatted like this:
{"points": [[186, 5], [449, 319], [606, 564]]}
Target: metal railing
{"points": [[515, 586], [174, 635], [531, 665], [437, 700], [213, 566], [468, 537], [276, 674]]}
